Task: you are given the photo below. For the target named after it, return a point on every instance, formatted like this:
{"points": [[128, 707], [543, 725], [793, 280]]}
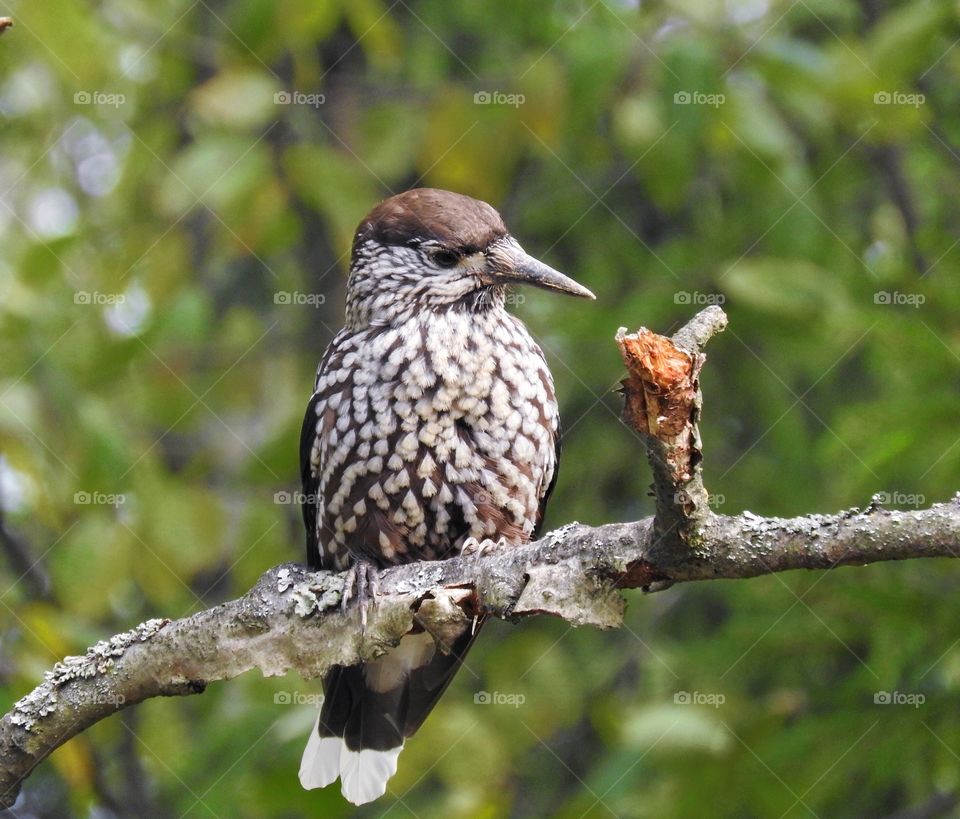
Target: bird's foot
{"points": [[363, 583], [476, 548]]}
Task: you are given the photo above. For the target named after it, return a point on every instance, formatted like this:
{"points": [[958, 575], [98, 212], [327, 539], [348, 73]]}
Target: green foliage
{"points": [[181, 183]]}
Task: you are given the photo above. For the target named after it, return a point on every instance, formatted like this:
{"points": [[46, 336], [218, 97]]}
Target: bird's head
{"points": [[428, 249]]}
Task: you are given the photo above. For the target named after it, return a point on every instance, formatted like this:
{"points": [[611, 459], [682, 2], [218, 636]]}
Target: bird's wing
{"points": [[310, 472], [553, 481], [310, 481]]}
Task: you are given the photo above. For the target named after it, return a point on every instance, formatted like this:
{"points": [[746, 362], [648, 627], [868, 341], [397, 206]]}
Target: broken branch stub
{"points": [[662, 403]]}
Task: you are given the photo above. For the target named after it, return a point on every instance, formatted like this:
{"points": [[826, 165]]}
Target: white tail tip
{"points": [[363, 774]]}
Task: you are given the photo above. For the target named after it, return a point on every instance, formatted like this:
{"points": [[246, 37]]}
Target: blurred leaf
{"points": [[237, 99], [686, 728], [791, 288]]}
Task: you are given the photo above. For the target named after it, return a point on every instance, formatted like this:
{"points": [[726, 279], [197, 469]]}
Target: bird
{"points": [[433, 428]]}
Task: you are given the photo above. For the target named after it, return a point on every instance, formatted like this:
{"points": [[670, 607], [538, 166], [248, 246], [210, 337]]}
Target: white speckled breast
{"points": [[437, 428]]}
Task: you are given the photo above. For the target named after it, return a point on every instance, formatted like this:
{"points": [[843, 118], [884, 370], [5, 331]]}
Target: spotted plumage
{"points": [[433, 420]]}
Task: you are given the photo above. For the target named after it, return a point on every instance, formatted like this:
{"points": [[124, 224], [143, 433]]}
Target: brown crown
{"points": [[454, 220]]}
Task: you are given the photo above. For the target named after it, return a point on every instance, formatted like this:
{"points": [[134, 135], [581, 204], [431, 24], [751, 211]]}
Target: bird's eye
{"points": [[445, 258]]}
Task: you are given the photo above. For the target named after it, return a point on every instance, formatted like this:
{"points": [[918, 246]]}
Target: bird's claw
{"points": [[363, 583], [476, 548]]}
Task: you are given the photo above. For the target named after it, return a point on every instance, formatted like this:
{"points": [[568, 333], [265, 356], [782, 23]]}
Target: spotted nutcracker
{"points": [[433, 424]]}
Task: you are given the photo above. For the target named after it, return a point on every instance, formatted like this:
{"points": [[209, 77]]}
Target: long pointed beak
{"points": [[511, 264]]}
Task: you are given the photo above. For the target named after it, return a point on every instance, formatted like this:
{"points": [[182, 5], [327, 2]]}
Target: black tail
{"points": [[370, 709]]}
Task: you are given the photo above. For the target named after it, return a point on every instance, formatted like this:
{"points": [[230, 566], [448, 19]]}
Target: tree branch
{"points": [[292, 619]]}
